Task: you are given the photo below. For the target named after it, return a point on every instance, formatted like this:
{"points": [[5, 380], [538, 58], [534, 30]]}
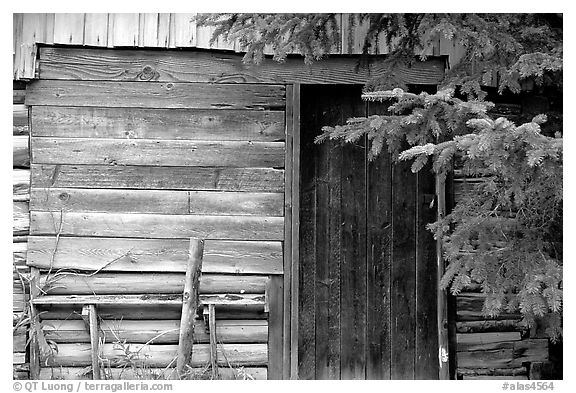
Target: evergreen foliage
{"points": [[505, 232]]}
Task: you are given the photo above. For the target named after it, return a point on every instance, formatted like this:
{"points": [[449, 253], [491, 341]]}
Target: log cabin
{"points": [[133, 134]]}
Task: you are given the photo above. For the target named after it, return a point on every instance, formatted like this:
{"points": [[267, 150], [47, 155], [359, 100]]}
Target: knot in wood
{"points": [[147, 74], [64, 196]]}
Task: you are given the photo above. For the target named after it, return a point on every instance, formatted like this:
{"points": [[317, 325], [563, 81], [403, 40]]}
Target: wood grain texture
{"points": [[69, 29], [426, 315], [379, 262], [161, 355], [141, 177], [190, 305], [150, 373], [20, 152], [126, 28], [92, 151], [109, 201], [135, 123], [158, 226], [20, 120], [153, 255], [150, 311], [67, 283], [275, 293], [203, 66], [163, 300], [21, 183], [155, 95], [403, 273], [236, 203], [353, 267], [21, 218], [96, 29]]}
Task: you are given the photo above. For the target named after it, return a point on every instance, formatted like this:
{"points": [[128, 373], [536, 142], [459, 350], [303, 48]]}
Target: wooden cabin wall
{"points": [[367, 267], [123, 174], [21, 227]]}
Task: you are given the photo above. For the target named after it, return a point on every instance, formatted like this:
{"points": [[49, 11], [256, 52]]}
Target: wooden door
{"points": [[367, 295]]}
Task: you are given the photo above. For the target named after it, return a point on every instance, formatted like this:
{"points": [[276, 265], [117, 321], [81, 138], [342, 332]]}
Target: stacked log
{"points": [[501, 347], [21, 227]]}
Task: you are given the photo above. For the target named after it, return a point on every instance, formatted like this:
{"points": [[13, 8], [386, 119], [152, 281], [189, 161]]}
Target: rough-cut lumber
{"points": [[466, 341], [74, 355], [20, 120], [531, 350], [148, 152], [21, 218], [505, 325], [236, 203], [19, 340], [150, 312], [141, 177], [498, 358], [155, 95], [20, 151], [21, 184], [150, 373], [493, 377], [202, 66], [157, 225], [110, 201], [175, 124], [469, 307], [160, 300], [513, 371], [153, 255], [153, 331], [150, 283], [190, 305]]}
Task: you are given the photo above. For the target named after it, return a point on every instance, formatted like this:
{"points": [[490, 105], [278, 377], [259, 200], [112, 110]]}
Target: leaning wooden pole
{"points": [[443, 365], [189, 305]]}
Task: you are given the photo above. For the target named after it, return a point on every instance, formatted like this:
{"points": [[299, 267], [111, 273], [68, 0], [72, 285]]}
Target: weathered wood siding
{"points": [[20, 230], [123, 174], [367, 268], [160, 30]]}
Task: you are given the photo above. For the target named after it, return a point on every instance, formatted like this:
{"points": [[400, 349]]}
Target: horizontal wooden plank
{"points": [[156, 332], [175, 124], [155, 95], [469, 307], [20, 151], [20, 120], [494, 377], [160, 355], [531, 350], [153, 255], [217, 67], [21, 183], [61, 283], [18, 357], [19, 342], [111, 201], [236, 203], [157, 226], [160, 300], [148, 152], [510, 371], [149, 312], [151, 373], [21, 218], [486, 338], [499, 358], [171, 178], [506, 325]]}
